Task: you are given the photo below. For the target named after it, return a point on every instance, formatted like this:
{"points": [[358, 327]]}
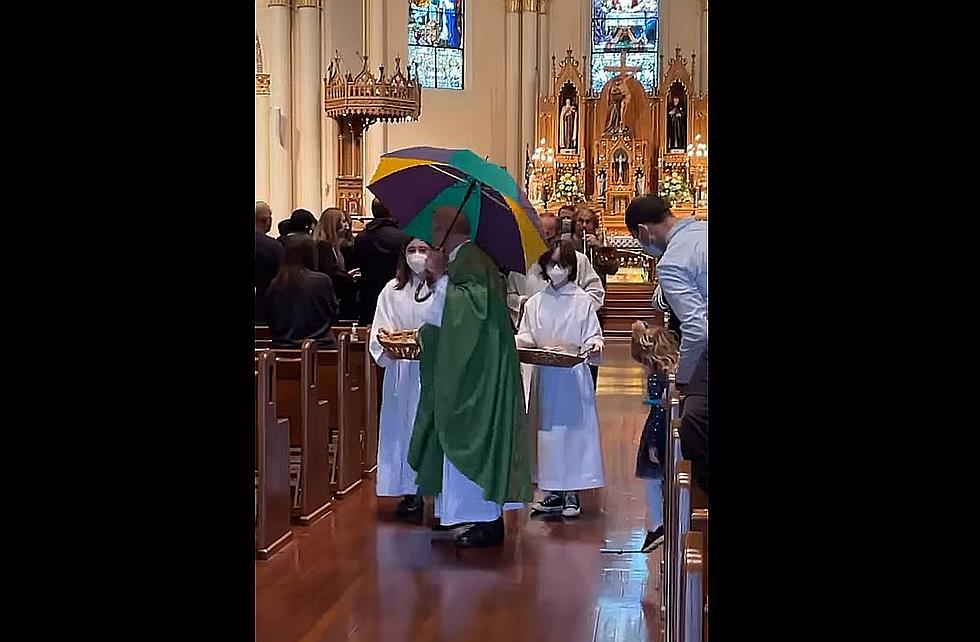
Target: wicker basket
{"points": [[538, 357], [401, 344]]}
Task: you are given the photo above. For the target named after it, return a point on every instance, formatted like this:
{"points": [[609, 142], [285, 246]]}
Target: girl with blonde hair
{"points": [[656, 348], [329, 235]]}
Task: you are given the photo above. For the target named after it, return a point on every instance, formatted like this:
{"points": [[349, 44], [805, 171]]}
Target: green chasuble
{"points": [[472, 403]]}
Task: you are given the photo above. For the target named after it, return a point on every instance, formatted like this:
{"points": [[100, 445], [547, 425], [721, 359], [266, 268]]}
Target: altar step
{"points": [[625, 303]]}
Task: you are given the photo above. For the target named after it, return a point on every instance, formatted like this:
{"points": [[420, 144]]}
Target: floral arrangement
{"points": [[675, 189], [568, 188]]}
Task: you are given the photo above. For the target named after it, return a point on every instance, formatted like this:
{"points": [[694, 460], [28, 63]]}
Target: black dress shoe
{"points": [[411, 507], [483, 534]]}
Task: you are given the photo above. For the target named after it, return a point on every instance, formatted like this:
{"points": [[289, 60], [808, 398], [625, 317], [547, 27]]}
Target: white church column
{"points": [[261, 125], [544, 50], [308, 82], [261, 136], [515, 153], [529, 80], [328, 126], [277, 57], [375, 47]]}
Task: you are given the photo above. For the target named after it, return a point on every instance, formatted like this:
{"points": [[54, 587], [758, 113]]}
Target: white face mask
{"points": [[559, 275], [416, 261]]}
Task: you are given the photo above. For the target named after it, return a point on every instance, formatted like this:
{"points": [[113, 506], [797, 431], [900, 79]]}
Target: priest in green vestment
{"points": [[469, 443]]}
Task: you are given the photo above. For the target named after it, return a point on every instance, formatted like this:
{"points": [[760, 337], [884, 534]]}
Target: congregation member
{"points": [[656, 349], [694, 423], [300, 302], [397, 309], [376, 251], [563, 317], [268, 257], [469, 443], [682, 270], [299, 222], [328, 236]]}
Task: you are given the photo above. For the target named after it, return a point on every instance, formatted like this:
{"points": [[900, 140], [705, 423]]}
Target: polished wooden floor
{"points": [[358, 575]]}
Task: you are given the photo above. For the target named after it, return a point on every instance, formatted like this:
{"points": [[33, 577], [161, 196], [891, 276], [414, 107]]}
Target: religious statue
{"points": [[621, 165], [450, 31], [639, 182], [676, 126], [619, 100], [568, 119], [602, 183]]}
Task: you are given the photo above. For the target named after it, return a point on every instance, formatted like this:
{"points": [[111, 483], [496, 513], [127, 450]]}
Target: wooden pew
{"points": [[272, 462], [673, 457], [367, 376], [692, 621], [680, 525], [353, 424], [299, 398], [262, 332], [340, 387]]}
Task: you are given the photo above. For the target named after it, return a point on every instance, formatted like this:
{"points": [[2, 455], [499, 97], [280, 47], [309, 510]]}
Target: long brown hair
{"points": [[328, 228], [300, 257], [403, 273], [654, 346]]}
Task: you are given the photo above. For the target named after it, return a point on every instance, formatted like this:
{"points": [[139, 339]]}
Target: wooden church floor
{"points": [[358, 575]]}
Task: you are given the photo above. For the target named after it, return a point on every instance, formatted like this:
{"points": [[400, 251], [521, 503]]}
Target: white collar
{"points": [[452, 255]]}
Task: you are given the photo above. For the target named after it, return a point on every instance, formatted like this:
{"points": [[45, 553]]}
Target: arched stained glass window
{"points": [[625, 26], [435, 42]]}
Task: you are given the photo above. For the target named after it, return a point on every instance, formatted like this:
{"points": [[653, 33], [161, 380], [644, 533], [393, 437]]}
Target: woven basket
{"points": [[538, 357], [401, 344]]}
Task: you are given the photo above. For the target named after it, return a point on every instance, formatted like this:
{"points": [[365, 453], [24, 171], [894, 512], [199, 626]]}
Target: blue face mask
{"points": [[653, 250], [650, 246]]}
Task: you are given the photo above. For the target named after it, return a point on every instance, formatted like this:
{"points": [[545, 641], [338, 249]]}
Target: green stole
{"points": [[472, 403]]}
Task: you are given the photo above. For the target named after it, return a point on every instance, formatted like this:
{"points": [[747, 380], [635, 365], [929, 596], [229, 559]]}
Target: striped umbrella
{"points": [[413, 182]]}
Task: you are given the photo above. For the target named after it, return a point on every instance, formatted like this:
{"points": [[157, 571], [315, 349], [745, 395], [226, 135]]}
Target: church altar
{"points": [[620, 143]]}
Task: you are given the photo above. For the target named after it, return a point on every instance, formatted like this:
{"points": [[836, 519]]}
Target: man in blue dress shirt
{"points": [[682, 248]]}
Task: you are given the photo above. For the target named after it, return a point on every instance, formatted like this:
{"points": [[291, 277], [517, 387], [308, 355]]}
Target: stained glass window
{"points": [[625, 26], [435, 42]]}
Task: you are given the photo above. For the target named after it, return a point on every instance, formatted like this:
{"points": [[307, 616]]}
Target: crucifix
{"points": [[622, 69], [619, 97]]}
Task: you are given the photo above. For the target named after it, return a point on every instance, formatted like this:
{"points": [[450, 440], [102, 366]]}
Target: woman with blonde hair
{"points": [[656, 348], [329, 235]]}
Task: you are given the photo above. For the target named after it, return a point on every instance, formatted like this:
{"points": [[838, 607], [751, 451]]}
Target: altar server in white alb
{"points": [[569, 451], [521, 287], [398, 310]]}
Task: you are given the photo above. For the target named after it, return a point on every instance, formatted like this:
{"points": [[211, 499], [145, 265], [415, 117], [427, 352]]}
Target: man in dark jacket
{"points": [[376, 252], [694, 423], [268, 257]]}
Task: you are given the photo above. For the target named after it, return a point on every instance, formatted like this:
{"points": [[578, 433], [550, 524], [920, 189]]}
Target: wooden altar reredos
{"points": [[619, 143]]}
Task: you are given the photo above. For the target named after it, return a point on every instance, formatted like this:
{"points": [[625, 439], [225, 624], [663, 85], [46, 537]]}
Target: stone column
{"points": [[308, 82], [529, 80], [376, 49], [277, 55], [328, 126], [512, 81], [544, 50], [261, 126]]}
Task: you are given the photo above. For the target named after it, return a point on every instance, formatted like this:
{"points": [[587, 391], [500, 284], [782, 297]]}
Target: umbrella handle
{"points": [[459, 211], [419, 298]]}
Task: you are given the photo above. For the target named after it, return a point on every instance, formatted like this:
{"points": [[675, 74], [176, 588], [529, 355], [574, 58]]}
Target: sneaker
{"points": [[572, 507], [553, 503], [653, 540]]}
